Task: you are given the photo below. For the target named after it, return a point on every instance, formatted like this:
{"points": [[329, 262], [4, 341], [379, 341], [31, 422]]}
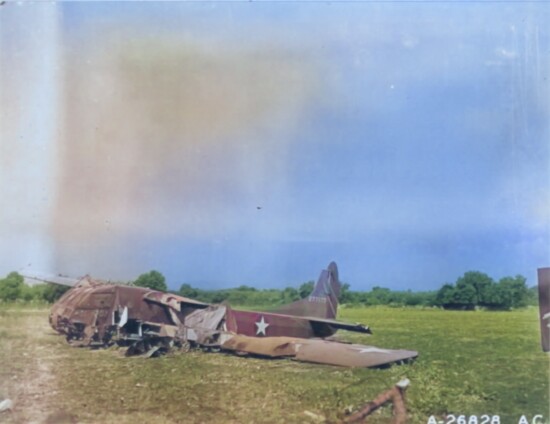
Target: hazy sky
{"points": [[228, 143]]}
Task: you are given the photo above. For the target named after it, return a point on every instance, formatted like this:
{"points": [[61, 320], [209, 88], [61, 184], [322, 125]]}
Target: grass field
{"points": [[470, 363]]}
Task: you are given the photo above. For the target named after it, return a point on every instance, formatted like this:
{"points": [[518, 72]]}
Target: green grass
{"points": [[470, 363]]}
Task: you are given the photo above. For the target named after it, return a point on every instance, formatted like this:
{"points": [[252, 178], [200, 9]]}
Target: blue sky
{"points": [[409, 142]]}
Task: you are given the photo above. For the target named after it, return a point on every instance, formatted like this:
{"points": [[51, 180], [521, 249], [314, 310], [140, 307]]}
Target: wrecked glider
{"points": [[149, 322]]}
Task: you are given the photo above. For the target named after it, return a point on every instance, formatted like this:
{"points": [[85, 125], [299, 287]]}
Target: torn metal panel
{"points": [[208, 319], [94, 312], [151, 329], [203, 326], [172, 300]]}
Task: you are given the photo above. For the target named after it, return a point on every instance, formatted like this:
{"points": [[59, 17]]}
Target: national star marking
{"points": [[262, 326]]}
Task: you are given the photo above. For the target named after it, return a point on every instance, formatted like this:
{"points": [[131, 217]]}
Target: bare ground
{"points": [[29, 354]]}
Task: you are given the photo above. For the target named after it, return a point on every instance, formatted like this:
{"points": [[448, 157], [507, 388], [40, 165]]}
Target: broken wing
{"points": [[317, 351]]}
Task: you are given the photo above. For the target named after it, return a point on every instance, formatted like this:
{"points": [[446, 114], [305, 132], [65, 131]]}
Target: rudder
{"points": [[322, 302]]}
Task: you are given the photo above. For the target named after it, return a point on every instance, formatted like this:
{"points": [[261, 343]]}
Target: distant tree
{"points": [[472, 288], [396, 297], [514, 292], [533, 296], [11, 287], [238, 297], [464, 297], [379, 296], [34, 293], [153, 280], [52, 292], [447, 297], [411, 298], [478, 289], [361, 297], [187, 291], [306, 289], [289, 294], [218, 296], [493, 297], [246, 288], [28, 293], [346, 296]]}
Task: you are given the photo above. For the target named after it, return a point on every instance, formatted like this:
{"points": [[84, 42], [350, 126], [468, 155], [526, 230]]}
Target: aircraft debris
{"points": [[396, 395], [150, 323]]}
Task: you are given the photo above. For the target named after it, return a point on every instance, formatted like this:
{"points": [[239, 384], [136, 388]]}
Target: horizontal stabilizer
{"points": [[339, 325]]}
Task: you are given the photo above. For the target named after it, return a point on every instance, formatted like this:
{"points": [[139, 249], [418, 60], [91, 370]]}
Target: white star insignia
{"points": [[262, 326]]}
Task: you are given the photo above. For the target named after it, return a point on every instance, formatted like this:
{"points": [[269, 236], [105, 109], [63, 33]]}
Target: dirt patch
{"points": [[28, 346]]}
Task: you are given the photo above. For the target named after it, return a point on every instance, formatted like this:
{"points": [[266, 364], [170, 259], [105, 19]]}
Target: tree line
{"points": [[13, 288], [472, 290]]}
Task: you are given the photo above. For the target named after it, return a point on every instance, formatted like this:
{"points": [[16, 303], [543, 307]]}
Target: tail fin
{"points": [[323, 300]]}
